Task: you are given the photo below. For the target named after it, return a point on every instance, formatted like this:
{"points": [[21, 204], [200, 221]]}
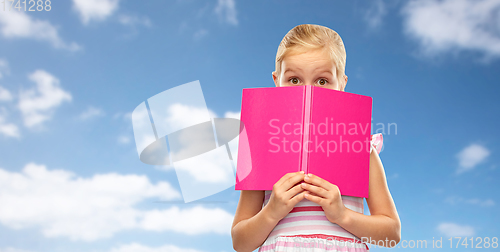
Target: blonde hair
{"points": [[305, 37]]}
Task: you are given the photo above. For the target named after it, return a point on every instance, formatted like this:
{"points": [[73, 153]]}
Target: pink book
{"points": [[304, 128]]}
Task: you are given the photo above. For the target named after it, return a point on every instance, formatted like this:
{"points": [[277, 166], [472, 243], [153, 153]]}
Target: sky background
{"points": [[70, 175]]}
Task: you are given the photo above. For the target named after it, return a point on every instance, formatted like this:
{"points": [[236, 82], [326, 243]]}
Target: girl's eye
{"points": [[294, 80], [322, 82]]}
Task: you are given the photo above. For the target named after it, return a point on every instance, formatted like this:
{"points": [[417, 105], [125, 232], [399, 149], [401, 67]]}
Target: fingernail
{"points": [[309, 175], [302, 172]]}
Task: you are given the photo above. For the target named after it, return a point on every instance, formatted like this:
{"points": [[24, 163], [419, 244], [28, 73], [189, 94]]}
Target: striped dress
{"points": [[307, 229]]}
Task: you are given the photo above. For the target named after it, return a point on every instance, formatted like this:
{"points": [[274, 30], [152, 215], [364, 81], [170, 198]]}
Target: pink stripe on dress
{"points": [[303, 218], [333, 228]]}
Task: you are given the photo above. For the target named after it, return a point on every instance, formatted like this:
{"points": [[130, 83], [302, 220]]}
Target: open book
{"points": [[304, 128]]}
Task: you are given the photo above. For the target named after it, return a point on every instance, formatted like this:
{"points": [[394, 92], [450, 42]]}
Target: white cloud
{"points": [[212, 170], [200, 166], [474, 201], [235, 115], [488, 202], [197, 220], [471, 156], [90, 113], [15, 24], [181, 116], [205, 168], [132, 20], [11, 249], [200, 34], [4, 68], [226, 10], [5, 94], [75, 207], [393, 176], [123, 139], [38, 104], [6, 128], [62, 204], [135, 247], [94, 10], [455, 230], [454, 25], [125, 116], [375, 13]]}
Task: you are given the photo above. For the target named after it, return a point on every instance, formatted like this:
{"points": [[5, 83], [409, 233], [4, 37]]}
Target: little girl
{"points": [[306, 212]]}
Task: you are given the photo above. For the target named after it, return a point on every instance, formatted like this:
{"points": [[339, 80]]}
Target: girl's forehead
{"points": [[322, 52], [312, 59]]}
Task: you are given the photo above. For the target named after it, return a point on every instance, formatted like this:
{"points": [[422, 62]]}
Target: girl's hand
{"points": [[327, 195], [286, 193]]}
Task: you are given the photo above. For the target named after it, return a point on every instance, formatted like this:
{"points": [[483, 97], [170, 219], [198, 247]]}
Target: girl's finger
{"points": [[294, 190], [315, 180], [297, 198], [316, 199], [291, 181], [284, 182], [284, 178], [316, 190]]}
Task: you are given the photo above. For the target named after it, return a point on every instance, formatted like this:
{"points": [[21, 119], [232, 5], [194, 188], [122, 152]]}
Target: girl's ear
{"points": [[345, 82], [275, 79]]}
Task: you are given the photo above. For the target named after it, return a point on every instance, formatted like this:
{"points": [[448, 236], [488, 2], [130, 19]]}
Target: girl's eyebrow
{"points": [[322, 69], [326, 71], [293, 69], [320, 72]]}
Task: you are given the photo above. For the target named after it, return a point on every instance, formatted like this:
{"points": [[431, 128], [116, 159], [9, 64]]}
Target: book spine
{"points": [[305, 127], [302, 129]]}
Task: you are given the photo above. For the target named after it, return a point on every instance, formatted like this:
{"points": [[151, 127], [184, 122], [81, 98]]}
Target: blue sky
{"points": [[70, 176]]}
